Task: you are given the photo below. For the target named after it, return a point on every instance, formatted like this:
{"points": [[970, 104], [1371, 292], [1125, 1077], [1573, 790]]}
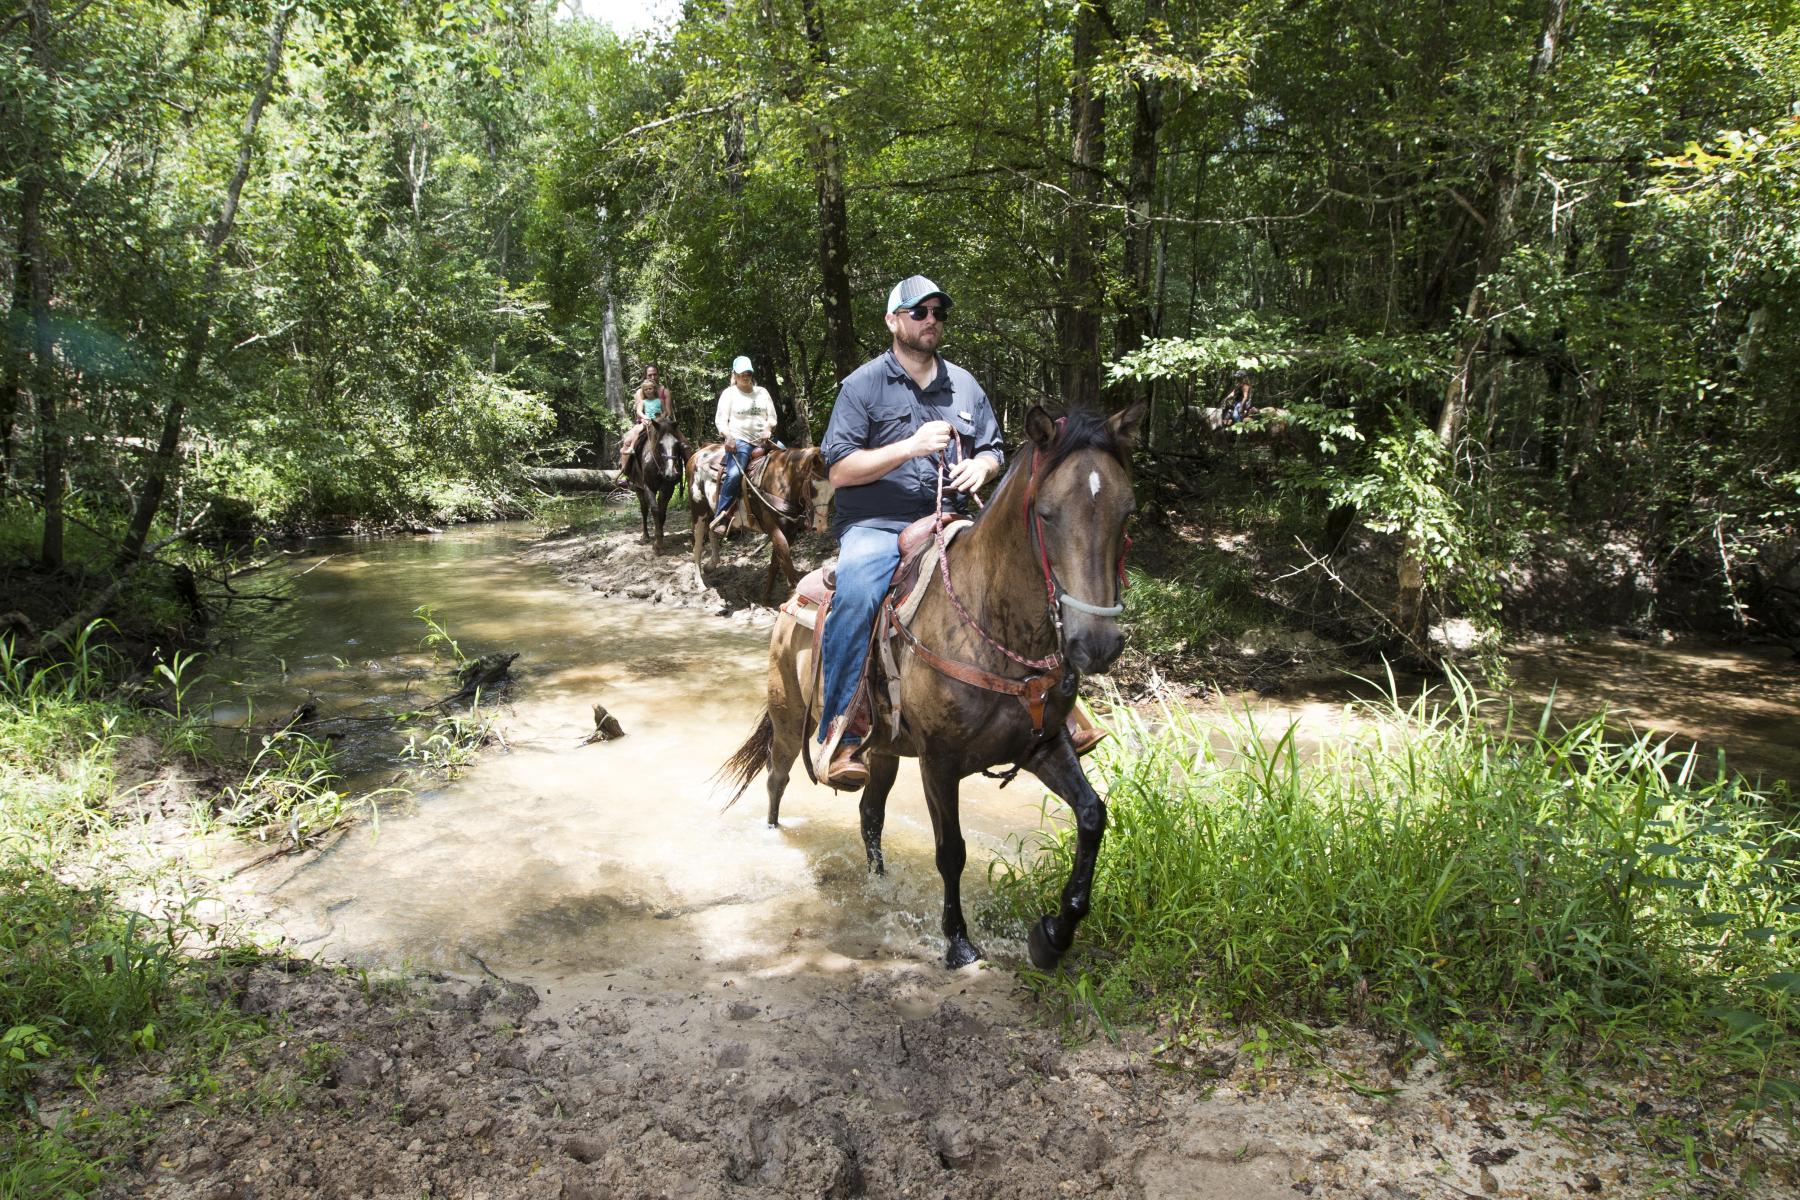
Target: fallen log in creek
{"points": [[571, 479]]}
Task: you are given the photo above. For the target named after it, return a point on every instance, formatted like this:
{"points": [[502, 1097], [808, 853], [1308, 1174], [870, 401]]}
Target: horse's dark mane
{"points": [[1082, 429]]}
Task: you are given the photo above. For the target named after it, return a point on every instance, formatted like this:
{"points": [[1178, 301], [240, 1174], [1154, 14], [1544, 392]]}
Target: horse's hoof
{"points": [[1044, 954], [962, 952]]}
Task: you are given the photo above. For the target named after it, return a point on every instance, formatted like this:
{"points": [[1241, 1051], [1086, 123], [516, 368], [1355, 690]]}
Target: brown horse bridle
{"points": [[1034, 690]]}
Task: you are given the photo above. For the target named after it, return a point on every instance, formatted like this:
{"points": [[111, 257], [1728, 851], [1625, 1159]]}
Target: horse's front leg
{"points": [[1061, 772], [882, 770], [699, 541], [942, 780], [662, 513], [780, 559]]}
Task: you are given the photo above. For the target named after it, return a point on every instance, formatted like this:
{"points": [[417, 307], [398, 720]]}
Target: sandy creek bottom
{"points": [[555, 863]]}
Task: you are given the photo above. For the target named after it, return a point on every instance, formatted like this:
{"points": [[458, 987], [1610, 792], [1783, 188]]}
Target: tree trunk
{"points": [[17, 316], [834, 219], [187, 377], [1409, 603], [1140, 196], [33, 262], [1080, 309], [609, 355]]}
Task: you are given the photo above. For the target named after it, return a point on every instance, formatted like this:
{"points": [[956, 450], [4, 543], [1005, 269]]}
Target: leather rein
{"points": [[779, 504], [1034, 690]]}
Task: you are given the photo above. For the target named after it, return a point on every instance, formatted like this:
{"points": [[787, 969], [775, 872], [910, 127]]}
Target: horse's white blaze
{"points": [[668, 445], [1094, 483]]}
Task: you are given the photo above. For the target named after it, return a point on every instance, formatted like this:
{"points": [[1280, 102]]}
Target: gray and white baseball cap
{"points": [[740, 364], [912, 290]]}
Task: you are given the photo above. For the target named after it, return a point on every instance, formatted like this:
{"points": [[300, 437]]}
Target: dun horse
{"points": [[1027, 602], [786, 494], [654, 469]]}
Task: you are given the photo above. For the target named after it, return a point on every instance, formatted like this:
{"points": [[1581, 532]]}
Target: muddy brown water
{"points": [[552, 862]]}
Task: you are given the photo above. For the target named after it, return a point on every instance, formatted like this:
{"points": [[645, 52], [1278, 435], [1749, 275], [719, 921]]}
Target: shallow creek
{"points": [[556, 862], [550, 860]]}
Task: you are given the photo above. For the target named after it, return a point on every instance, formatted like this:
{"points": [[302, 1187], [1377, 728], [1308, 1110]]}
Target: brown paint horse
{"points": [[789, 495], [1039, 576], [653, 470]]}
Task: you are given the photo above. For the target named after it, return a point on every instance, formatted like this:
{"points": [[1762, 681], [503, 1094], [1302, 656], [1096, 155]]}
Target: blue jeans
{"points": [[866, 561], [737, 461]]}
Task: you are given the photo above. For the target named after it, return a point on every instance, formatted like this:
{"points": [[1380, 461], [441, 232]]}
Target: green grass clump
{"points": [[78, 976], [1189, 608], [1484, 892], [38, 1164], [59, 729]]}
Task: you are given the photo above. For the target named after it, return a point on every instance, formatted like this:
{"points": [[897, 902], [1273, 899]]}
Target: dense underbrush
{"points": [[1510, 900]]}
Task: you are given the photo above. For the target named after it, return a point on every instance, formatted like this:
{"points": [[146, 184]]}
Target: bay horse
{"points": [[654, 469], [788, 495], [1026, 601]]}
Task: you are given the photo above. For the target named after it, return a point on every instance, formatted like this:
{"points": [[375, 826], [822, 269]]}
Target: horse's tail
{"points": [[749, 760]]}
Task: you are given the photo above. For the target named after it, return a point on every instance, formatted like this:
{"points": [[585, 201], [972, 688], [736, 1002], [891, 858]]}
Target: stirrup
{"points": [[846, 772]]}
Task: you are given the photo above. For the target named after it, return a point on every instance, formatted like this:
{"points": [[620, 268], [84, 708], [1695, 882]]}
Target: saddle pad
{"points": [[915, 573], [809, 596], [919, 579]]}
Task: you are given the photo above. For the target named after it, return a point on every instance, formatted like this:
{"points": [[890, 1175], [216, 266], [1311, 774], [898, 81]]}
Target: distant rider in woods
{"points": [[650, 400], [746, 416]]}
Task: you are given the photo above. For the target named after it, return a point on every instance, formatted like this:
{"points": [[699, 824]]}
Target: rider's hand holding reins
{"points": [[971, 474], [931, 438]]}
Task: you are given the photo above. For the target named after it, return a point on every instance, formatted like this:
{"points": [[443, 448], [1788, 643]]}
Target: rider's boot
{"points": [[1084, 735]]}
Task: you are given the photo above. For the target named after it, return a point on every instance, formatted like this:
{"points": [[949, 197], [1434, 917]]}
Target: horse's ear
{"points": [[1124, 426], [1040, 428]]}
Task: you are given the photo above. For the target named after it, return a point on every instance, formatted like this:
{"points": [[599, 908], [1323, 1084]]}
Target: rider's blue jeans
{"points": [[737, 461], [866, 561]]}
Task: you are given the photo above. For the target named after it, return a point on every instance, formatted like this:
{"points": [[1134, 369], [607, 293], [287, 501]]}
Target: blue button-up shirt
{"points": [[878, 405]]}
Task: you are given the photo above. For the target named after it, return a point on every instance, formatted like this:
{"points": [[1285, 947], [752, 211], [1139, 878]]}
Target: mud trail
{"points": [[770, 1045], [881, 1080]]}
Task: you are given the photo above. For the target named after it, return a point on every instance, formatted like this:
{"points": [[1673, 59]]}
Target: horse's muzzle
{"points": [[1092, 644]]}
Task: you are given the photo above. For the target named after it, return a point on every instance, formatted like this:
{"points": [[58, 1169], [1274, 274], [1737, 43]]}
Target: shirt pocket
{"points": [[964, 424], [889, 422]]}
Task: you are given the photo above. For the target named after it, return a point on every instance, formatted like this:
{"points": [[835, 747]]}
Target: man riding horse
{"points": [[894, 416]]}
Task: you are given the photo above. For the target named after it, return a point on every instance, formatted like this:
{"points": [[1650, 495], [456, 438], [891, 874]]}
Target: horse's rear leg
{"points": [[882, 770], [782, 752], [1061, 772], [942, 782]]}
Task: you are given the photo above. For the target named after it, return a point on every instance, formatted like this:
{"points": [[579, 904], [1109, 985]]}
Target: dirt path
{"points": [[798, 1071], [897, 1079]]}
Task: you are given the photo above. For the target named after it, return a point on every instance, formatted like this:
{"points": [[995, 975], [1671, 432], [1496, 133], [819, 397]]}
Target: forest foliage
{"points": [[1503, 267]]}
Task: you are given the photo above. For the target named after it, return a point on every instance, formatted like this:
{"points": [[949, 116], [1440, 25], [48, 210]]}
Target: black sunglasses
{"points": [[919, 312]]}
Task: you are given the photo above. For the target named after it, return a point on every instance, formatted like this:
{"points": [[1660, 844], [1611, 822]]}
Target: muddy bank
{"points": [[899, 1079], [621, 564]]}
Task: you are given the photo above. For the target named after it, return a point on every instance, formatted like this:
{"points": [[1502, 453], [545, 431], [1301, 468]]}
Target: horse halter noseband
{"points": [[1059, 595]]}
